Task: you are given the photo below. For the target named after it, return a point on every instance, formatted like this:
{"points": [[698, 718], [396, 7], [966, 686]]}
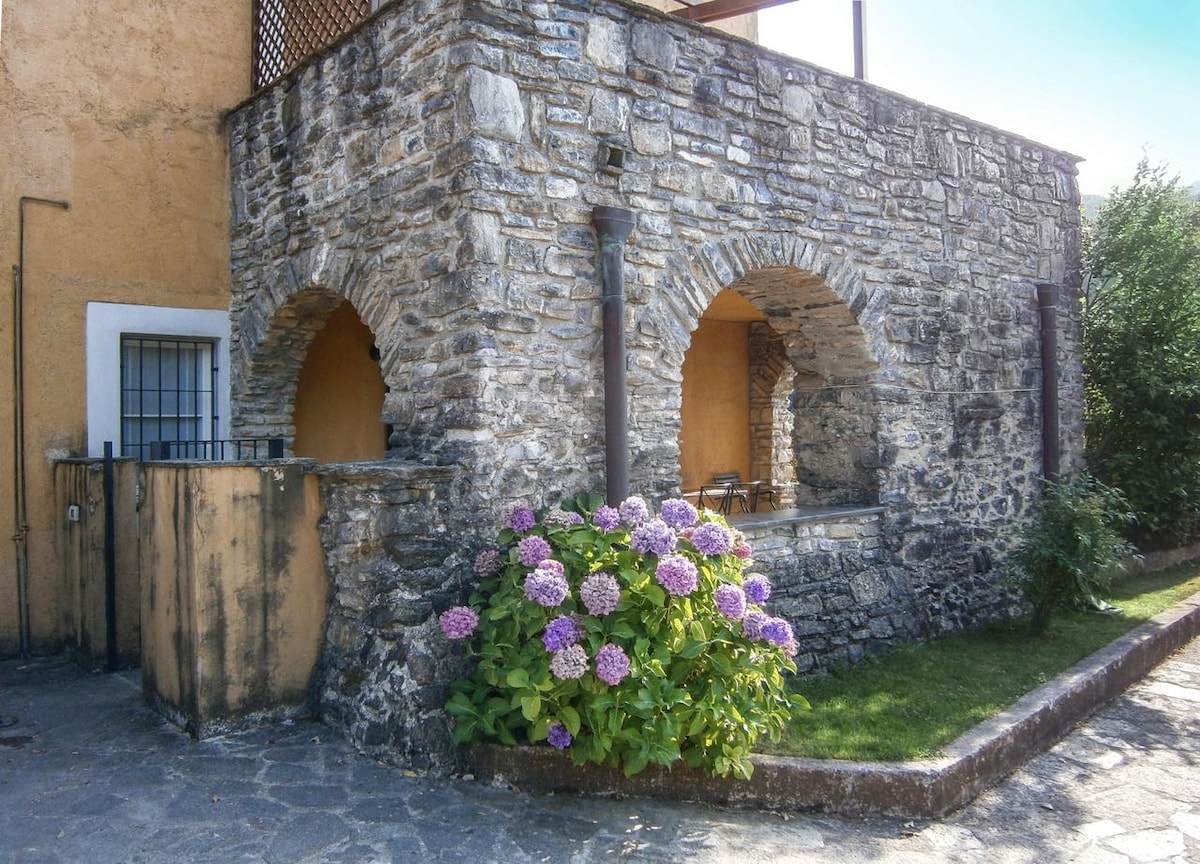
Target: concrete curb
{"points": [[924, 788]]}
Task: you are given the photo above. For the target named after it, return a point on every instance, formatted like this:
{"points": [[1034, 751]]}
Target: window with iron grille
{"points": [[167, 388], [288, 32]]}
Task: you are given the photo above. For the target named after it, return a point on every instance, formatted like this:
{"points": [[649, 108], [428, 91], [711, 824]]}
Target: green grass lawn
{"points": [[913, 702]]}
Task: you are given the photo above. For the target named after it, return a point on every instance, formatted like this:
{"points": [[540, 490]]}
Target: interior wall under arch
{"points": [[714, 415], [339, 395]]}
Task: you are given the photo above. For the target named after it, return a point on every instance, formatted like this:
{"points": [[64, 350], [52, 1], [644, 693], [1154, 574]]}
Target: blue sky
{"points": [[1103, 79]]}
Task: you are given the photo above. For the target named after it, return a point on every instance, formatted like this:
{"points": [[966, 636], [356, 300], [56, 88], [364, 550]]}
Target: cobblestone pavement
{"points": [[88, 774]]}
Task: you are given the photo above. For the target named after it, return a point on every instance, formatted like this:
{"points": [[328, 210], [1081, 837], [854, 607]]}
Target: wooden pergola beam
{"points": [[718, 10]]}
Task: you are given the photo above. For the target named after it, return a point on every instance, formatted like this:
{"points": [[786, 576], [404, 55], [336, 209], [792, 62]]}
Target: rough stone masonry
{"points": [[438, 169]]}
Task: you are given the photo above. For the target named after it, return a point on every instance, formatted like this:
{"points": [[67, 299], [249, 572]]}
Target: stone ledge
{"points": [[923, 788]]}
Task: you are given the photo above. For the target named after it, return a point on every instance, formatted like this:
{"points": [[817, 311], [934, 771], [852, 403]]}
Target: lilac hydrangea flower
{"points": [[606, 518], [569, 663], [559, 516], [546, 587], [677, 513], [563, 632], [731, 600], [752, 623], [711, 538], [757, 588], [677, 574], [778, 631], [612, 665], [487, 562], [558, 736], [520, 518], [634, 510], [600, 592], [654, 536], [458, 622], [533, 549]]}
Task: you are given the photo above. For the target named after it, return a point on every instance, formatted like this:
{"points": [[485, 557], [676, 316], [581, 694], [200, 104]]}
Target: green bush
{"points": [[1073, 544], [623, 639]]}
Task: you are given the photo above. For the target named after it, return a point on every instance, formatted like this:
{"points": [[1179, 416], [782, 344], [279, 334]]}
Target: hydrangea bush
{"points": [[623, 638]]}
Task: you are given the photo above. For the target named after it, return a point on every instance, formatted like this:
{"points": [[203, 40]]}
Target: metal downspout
{"points": [[1051, 453], [20, 509], [612, 226]]}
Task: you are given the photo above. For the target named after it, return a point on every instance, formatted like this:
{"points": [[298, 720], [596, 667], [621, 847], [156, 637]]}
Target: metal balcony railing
{"points": [[221, 450]]}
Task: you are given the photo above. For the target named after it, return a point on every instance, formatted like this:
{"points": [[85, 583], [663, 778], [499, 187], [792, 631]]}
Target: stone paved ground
{"points": [[87, 774]]}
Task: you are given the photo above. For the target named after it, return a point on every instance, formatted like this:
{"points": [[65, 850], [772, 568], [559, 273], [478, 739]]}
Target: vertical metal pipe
{"points": [[612, 226], [1051, 454], [20, 496], [110, 561], [860, 41]]}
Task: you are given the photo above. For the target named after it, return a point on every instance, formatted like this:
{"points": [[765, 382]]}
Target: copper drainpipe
{"points": [[20, 509], [612, 226], [1051, 453]]}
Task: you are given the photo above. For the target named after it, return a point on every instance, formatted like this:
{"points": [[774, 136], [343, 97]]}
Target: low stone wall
{"points": [[831, 580], [398, 550]]}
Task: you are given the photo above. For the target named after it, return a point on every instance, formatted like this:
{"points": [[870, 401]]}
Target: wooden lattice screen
{"points": [[287, 32]]}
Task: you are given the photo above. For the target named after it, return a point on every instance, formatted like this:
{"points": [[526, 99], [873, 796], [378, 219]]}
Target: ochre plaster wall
{"points": [[745, 26], [233, 590], [715, 426], [339, 396], [115, 108], [81, 591]]}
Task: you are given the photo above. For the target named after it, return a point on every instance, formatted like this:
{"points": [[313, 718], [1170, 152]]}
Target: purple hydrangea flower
{"points": [[677, 574], [487, 562], [458, 622], [752, 623], [677, 513], [546, 587], [569, 663], [558, 736], [520, 518], [533, 549], [654, 536], [559, 516], [731, 600], [778, 631], [711, 538], [743, 550], [600, 592], [634, 510], [563, 632], [757, 588], [612, 666], [606, 518]]}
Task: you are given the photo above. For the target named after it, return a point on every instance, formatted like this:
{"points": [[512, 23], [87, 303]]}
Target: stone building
{"points": [[828, 286]]}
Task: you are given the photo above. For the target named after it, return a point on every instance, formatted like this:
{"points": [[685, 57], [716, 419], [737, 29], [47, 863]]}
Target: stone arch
{"points": [[819, 378], [273, 334]]}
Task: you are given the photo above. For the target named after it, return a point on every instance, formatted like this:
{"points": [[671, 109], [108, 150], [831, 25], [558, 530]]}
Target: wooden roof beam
{"points": [[719, 10]]}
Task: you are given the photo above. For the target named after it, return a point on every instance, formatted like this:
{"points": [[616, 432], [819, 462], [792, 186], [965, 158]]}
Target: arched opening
{"points": [[776, 387], [339, 393]]}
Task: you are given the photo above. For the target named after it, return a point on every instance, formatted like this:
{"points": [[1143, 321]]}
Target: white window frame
{"points": [[108, 322]]}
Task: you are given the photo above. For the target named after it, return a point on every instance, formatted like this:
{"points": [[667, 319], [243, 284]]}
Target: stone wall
{"points": [[439, 170]]}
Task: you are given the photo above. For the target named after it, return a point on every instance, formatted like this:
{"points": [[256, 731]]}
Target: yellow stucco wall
{"points": [[233, 589], [745, 26], [116, 108], [715, 416], [339, 396]]}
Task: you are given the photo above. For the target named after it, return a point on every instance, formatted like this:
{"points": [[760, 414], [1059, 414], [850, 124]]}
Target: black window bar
{"points": [[167, 392]]}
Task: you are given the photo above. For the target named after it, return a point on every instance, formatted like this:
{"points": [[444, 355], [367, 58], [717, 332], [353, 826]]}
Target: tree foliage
{"points": [[1142, 353]]}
